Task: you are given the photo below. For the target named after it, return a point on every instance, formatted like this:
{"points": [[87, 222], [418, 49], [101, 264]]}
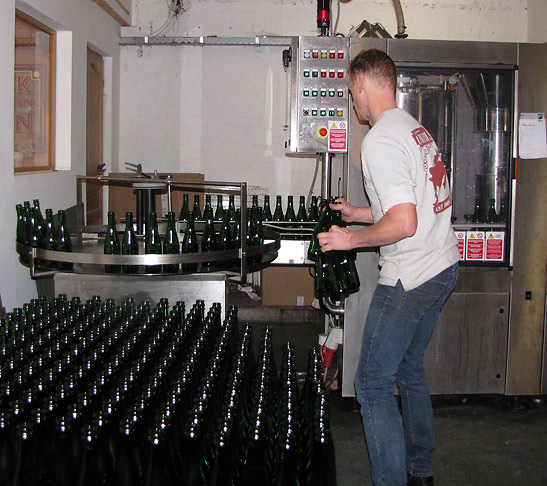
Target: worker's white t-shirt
{"points": [[401, 164]]}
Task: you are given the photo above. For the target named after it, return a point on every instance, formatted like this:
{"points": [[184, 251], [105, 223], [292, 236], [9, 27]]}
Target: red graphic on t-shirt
{"points": [[422, 137], [440, 184]]}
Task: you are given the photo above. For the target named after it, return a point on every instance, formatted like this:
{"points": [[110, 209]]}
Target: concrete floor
{"points": [[481, 441]]}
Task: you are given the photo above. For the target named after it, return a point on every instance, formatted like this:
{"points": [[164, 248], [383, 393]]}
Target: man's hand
{"points": [[335, 239], [351, 213]]}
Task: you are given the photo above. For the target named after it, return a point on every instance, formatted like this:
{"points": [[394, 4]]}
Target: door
{"points": [[94, 135]]}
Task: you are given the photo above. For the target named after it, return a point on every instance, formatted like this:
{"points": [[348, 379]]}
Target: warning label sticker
{"points": [[338, 136], [494, 246]]}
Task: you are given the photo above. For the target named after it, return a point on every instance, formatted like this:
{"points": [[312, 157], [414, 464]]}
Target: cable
{"points": [[175, 8], [335, 30], [310, 192]]}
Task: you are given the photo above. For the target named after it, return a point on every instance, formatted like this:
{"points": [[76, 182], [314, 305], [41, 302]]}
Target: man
{"points": [[409, 218]]}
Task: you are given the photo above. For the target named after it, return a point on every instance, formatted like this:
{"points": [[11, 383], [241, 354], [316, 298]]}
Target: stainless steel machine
{"points": [[491, 334]]}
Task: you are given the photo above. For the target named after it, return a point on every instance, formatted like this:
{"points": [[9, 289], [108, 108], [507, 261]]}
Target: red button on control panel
{"points": [[332, 54], [323, 74], [340, 54], [323, 132], [332, 74], [315, 54], [340, 74]]}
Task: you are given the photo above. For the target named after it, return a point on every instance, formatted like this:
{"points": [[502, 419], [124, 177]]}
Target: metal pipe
{"points": [[336, 310], [401, 27], [325, 175]]}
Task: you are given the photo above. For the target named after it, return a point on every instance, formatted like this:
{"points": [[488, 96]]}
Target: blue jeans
{"points": [[398, 327]]}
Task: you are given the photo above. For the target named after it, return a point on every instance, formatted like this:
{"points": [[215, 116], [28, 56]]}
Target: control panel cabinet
{"points": [[319, 101]]}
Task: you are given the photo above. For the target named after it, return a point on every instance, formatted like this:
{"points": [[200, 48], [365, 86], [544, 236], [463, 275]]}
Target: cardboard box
{"points": [[287, 285], [122, 198]]}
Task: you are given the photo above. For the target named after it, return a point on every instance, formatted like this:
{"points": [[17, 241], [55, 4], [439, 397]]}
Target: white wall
{"points": [[222, 110], [90, 26]]}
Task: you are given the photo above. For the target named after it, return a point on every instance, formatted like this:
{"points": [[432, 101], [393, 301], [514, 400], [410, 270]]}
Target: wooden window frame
{"points": [[50, 114]]}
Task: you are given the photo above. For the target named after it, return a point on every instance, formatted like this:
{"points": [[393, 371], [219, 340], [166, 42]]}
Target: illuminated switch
{"points": [[323, 73], [332, 112], [306, 92], [323, 54], [306, 73], [305, 112], [332, 93], [340, 93], [332, 74], [340, 54], [315, 73], [315, 54], [332, 54], [314, 113], [314, 92], [323, 113], [323, 93], [307, 54], [340, 73], [340, 113]]}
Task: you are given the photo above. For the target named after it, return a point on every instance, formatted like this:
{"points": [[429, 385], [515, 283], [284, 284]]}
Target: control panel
{"points": [[319, 100]]}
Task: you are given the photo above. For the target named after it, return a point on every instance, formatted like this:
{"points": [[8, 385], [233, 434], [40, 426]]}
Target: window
{"points": [[34, 85]]}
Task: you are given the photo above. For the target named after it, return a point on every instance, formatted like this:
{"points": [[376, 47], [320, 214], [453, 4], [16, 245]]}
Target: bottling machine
{"points": [[490, 335]]}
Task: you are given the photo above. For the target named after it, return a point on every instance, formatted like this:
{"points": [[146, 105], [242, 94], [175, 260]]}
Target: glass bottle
{"points": [[50, 231], [39, 216], [171, 243], [129, 243], [209, 239], [21, 233], [185, 209], [219, 212], [111, 242], [278, 212], [290, 216], [301, 216], [152, 242], [313, 214], [492, 215], [208, 210], [196, 210], [190, 244], [63, 242], [267, 209], [226, 240], [232, 208]]}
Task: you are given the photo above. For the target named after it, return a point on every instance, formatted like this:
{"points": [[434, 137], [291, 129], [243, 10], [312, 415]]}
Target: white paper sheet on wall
{"points": [[532, 136]]}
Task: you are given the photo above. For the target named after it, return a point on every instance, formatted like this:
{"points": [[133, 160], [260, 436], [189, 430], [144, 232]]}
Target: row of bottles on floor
{"points": [[289, 215], [335, 271], [97, 393]]}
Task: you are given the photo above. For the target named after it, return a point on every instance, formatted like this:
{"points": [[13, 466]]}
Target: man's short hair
{"points": [[376, 65]]}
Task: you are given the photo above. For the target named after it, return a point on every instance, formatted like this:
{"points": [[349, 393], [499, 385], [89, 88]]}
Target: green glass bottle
{"points": [[254, 206], [39, 217], [232, 209], [208, 210], [190, 244], [63, 241], [111, 242], [152, 242], [290, 216], [219, 212], [171, 243], [301, 216], [21, 232], [49, 240], [196, 210], [313, 214], [129, 243], [185, 209], [226, 240], [278, 212], [209, 239], [257, 236], [36, 237], [267, 210]]}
